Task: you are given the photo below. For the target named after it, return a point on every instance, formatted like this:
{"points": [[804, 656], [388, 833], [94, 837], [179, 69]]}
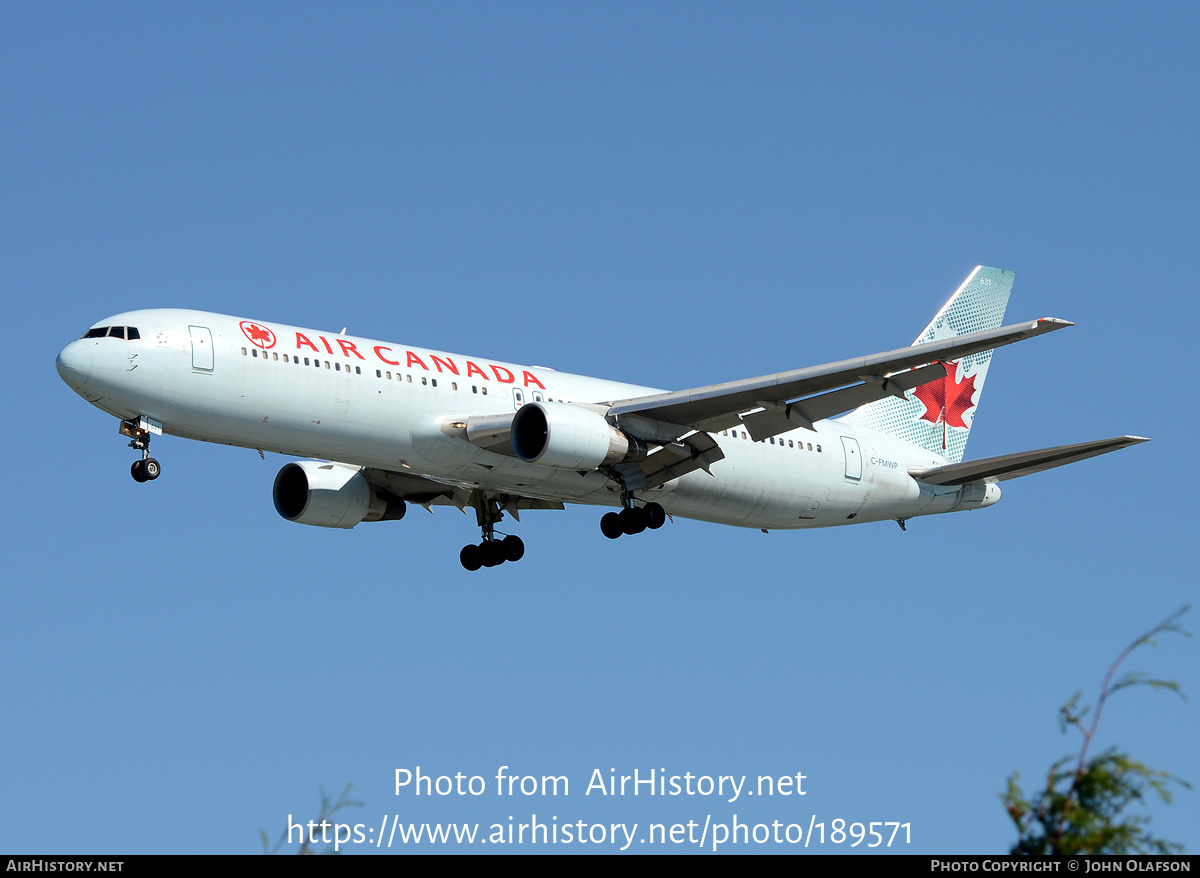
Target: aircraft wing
{"points": [[787, 400], [409, 487], [1010, 466], [426, 492]]}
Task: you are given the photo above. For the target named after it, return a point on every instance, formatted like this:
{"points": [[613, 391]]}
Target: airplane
{"points": [[380, 425]]}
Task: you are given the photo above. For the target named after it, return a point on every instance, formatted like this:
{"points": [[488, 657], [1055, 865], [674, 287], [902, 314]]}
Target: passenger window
{"points": [[474, 388], [254, 352], [818, 448], [424, 380], [358, 370], [275, 356], [243, 352], [485, 391], [454, 385], [434, 382]]}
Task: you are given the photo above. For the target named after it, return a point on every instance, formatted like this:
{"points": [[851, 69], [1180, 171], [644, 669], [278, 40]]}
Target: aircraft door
{"points": [[202, 348], [853, 459]]}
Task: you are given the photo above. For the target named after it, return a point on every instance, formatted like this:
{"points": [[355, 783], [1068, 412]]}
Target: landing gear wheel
{"points": [[656, 516], [151, 468], [138, 471], [633, 521], [514, 548], [469, 557], [610, 525], [492, 553]]}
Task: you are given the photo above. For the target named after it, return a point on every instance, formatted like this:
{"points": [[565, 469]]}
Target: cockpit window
{"points": [[128, 333]]}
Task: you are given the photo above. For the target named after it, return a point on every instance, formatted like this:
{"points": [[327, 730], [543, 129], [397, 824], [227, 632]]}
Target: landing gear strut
{"points": [[632, 519], [492, 550], [147, 469]]}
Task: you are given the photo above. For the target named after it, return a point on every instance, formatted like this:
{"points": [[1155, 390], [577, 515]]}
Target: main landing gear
{"points": [[147, 469], [632, 519], [492, 551]]}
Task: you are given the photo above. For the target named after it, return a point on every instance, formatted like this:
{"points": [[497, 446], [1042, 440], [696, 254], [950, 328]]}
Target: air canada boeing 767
{"points": [[381, 425]]}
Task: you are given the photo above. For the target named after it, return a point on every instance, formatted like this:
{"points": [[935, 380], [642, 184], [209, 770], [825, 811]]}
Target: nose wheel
{"points": [[147, 469]]}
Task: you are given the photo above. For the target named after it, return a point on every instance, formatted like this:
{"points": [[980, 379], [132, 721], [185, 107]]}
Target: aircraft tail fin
{"points": [[938, 415]]}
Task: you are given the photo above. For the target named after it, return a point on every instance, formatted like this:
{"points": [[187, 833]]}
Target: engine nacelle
{"points": [[330, 495], [571, 437]]}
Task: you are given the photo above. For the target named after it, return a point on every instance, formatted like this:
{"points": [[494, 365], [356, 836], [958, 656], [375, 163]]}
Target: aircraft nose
{"points": [[74, 364]]}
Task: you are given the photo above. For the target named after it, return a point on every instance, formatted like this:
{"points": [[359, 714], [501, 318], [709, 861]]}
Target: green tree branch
{"points": [[1082, 808]]}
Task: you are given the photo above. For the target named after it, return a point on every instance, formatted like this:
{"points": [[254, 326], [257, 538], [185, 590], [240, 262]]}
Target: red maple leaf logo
{"points": [[947, 400], [259, 336]]}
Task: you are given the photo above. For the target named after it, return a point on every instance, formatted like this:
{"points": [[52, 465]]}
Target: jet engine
{"points": [[330, 495], [571, 437]]}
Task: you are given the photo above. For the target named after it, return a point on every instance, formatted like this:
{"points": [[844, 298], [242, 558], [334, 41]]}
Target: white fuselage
{"points": [[378, 404]]}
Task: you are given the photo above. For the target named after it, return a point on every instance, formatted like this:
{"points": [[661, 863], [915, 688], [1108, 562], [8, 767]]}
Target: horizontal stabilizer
{"points": [[1011, 466]]}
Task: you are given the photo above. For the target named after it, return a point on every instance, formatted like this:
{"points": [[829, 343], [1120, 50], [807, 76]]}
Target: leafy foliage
{"points": [[1082, 809]]}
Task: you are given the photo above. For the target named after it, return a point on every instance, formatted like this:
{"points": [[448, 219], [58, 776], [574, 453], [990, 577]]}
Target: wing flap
{"points": [[426, 492], [697, 451], [1023, 463]]}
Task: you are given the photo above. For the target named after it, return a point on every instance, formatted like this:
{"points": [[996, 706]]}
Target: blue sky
{"points": [[666, 194]]}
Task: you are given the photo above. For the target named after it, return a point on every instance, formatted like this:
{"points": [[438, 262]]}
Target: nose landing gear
{"points": [[147, 469]]}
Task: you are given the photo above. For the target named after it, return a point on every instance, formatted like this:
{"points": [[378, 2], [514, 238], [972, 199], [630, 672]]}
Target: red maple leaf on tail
{"points": [[947, 400]]}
